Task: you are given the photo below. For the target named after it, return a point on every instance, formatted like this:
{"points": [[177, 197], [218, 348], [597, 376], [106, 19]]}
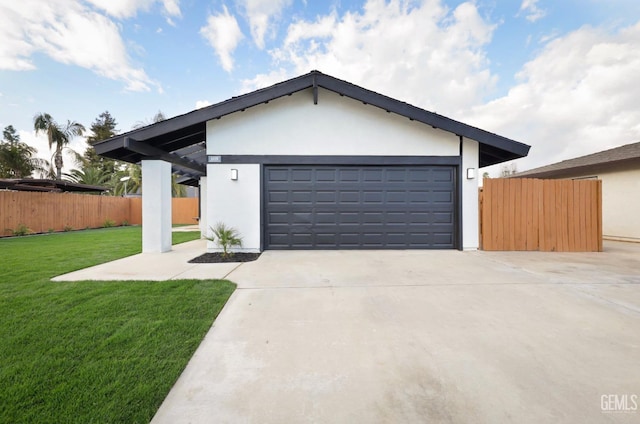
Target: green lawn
{"points": [[93, 352]]}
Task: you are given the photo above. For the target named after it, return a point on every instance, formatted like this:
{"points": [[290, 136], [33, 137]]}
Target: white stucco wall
{"points": [[235, 203], [470, 224], [336, 126], [620, 203]]}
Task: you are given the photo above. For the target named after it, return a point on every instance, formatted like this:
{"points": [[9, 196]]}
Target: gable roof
{"points": [[182, 140], [619, 156]]}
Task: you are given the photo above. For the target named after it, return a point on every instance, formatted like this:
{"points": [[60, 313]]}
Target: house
{"points": [[619, 170], [315, 162]]}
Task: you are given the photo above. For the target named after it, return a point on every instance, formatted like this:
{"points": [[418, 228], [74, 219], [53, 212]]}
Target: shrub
{"points": [[125, 223], [21, 230], [225, 237], [67, 228], [108, 223]]}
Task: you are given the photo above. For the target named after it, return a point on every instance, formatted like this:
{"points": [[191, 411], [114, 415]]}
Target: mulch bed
{"points": [[216, 258]]}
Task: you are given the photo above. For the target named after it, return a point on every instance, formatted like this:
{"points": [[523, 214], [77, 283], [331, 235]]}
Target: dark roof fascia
{"points": [[584, 170], [511, 148]]}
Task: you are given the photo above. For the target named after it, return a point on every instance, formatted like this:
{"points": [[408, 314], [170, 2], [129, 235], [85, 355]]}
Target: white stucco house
{"points": [[619, 170], [315, 162]]}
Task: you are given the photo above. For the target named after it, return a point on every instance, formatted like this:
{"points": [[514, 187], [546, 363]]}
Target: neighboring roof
{"points": [[182, 140], [30, 184], [619, 156]]}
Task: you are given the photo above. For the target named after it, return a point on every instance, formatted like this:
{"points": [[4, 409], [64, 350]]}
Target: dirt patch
{"points": [[216, 258]]}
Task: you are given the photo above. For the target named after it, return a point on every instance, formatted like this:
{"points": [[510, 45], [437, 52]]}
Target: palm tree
{"points": [[58, 135], [132, 184], [17, 159], [89, 175]]}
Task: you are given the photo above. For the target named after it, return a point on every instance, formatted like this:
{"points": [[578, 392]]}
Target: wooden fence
{"points": [[44, 212], [545, 215]]}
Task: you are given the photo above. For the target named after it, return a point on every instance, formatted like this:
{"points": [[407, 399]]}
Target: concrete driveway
{"points": [[421, 336]]}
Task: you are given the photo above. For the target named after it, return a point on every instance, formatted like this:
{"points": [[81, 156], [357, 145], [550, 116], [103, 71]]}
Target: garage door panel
{"points": [[443, 175], [278, 197], [275, 175], [441, 196], [302, 197], [397, 196], [442, 218], [301, 175], [349, 175], [326, 175], [372, 175], [373, 197], [395, 175], [324, 218], [347, 218], [359, 207], [326, 197], [274, 218], [349, 196]]}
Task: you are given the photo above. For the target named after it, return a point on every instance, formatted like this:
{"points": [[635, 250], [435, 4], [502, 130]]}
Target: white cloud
{"points": [[202, 103], [261, 14], [264, 80], [69, 33], [223, 33], [422, 53], [129, 8], [576, 97], [531, 10], [172, 7]]}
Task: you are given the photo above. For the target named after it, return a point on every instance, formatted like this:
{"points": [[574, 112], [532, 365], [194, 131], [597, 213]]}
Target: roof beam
{"points": [[315, 90], [147, 150]]}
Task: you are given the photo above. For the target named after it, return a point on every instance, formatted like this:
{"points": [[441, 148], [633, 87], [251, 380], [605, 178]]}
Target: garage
{"points": [[360, 207]]}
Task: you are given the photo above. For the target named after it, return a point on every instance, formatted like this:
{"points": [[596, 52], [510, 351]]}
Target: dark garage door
{"points": [[359, 207]]}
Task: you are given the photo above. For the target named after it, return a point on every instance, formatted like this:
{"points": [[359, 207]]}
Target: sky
{"points": [[559, 75]]}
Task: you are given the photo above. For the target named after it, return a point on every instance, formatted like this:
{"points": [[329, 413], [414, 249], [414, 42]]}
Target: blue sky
{"points": [[558, 75]]}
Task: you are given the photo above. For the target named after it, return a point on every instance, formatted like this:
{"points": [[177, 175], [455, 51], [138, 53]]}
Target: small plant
{"points": [[125, 223], [67, 228], [21, 230], [225, 237], [108, 223], [50, 230]]}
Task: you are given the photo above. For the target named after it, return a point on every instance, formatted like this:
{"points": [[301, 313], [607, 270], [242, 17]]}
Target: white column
{"points": [[156, 206], [204, 228], [470, 209]]}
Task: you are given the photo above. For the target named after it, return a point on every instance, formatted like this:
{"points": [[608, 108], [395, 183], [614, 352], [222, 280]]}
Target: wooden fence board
{"points": [[44, 212], [546, 215]]}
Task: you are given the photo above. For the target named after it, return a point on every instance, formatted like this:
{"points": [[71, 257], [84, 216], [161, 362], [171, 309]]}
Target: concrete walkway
{"points": [[420, 336], [156, 266]]}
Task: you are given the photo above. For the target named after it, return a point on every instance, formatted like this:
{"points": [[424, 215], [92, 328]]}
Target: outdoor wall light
{"points": [[234, 175], [471, 173]]}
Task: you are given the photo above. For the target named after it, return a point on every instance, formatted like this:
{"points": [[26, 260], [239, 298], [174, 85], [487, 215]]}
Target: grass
{"points": [[93, 352]]}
